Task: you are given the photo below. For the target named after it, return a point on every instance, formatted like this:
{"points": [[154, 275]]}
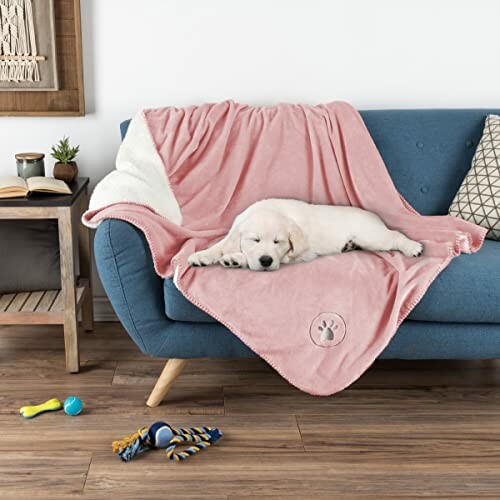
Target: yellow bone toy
{"points": [[33, 411]]}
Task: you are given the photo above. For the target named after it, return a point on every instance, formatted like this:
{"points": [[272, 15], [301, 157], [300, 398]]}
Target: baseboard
{"points": [[103, 310]]}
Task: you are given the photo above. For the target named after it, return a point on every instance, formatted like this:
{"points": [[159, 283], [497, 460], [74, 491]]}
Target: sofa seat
{"points": [[467, 291]]}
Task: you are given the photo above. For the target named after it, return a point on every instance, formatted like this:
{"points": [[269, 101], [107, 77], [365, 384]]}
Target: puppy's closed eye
{"points": [[253, 239]]}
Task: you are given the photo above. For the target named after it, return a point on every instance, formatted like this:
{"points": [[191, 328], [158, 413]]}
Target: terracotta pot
{"points": [[66, 172]]}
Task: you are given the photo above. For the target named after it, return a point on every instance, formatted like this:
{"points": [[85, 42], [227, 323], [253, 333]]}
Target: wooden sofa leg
{"points": [[171, 371]]}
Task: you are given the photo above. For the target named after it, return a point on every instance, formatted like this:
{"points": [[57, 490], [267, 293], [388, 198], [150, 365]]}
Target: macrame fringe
{"points": [[19, 71], [17, 38]]}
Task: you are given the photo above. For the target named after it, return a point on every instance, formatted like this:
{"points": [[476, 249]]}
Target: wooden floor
{"points": [[421, 429]]}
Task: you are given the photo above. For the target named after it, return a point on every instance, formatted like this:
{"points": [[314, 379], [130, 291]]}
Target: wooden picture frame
{"points": [[68, 100]]}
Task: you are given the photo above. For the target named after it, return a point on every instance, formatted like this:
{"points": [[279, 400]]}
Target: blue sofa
{"points": [[428, 153]]}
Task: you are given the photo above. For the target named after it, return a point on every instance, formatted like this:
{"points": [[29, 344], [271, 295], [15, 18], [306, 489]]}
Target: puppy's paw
{"points": [[233, 260], [412, 248], [201, 259]]}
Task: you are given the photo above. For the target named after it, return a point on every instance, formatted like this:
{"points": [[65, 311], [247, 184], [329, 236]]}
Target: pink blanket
{"points": [[184, 174]]}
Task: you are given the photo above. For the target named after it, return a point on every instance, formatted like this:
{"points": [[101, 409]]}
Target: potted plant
{"points": [[65, 168]]}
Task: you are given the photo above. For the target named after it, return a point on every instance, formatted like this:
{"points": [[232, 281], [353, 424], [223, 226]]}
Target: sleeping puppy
{"points": [[279, 231]]}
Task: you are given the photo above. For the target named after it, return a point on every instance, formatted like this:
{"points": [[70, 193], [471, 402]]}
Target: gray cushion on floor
{"points": [[29, 255]]}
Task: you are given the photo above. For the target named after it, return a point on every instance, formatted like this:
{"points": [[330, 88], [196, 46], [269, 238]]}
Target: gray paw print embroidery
{"points": [[327, 329]]}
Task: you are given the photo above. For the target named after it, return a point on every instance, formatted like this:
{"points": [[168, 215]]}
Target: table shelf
{"points": [[38, 308]]}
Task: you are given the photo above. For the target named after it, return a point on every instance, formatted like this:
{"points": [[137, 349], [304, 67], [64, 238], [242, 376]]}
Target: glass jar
{"points": [[30, 165]]}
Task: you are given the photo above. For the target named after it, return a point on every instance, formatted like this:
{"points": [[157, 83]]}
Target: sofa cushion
{"points": [[467, 291], [179, 308]]}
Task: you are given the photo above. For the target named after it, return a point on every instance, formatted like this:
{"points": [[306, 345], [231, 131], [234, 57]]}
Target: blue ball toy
{"points": [[73, 406]]}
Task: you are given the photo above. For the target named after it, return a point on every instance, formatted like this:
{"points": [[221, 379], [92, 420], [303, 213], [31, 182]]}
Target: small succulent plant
{"points": [[63, 152]]}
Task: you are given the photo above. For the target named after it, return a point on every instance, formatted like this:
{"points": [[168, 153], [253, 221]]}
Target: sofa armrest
{"points": [[126, 269], [127, 273]]}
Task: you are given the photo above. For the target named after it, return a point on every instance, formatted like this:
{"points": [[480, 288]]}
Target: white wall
{"points": [[376, 54]]}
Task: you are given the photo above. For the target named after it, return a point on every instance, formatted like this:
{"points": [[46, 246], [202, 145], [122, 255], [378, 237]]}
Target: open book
{"points": [[14, 187]]}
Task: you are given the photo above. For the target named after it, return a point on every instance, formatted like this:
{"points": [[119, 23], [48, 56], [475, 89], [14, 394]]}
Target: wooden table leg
{"points": [[85, 257], [68, 288]]}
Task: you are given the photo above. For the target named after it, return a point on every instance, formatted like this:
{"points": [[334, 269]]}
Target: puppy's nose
{"points": [[266, 260]]}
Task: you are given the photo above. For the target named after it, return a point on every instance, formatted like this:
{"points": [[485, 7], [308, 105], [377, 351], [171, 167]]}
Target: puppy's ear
{"points": [[298, 241], [232, 242]]}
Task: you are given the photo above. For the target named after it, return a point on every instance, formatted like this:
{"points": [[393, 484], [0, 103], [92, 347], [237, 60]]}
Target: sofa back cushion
{"points": [[428, 152]]}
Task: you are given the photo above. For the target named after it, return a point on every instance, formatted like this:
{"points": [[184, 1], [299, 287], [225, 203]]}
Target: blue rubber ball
{"points": [[73, 406]]}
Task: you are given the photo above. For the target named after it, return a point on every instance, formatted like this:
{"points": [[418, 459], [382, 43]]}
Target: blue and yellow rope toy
{"points": [[162, 435]]}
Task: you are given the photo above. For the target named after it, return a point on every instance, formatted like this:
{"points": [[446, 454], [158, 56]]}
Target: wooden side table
{"points": [[56, 306]]}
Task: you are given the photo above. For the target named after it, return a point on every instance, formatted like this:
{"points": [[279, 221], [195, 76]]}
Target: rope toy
{"points": [[162, 435]]}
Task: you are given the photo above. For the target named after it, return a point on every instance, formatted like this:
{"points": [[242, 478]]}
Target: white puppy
{"points": [[280, 231]]}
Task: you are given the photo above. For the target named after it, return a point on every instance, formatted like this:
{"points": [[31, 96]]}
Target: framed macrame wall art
{"points": [[28, 45], [41, 58]]}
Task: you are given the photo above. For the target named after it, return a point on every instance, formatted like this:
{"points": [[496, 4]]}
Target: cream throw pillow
{"points": [[478, 199]]}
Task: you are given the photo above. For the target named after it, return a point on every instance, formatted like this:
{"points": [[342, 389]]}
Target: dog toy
{"points": [[73, 406], [33, 411], [162, 435]]}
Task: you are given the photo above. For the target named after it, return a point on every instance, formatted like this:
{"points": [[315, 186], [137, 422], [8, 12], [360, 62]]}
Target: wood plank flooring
{"points": [[404, 430]]}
